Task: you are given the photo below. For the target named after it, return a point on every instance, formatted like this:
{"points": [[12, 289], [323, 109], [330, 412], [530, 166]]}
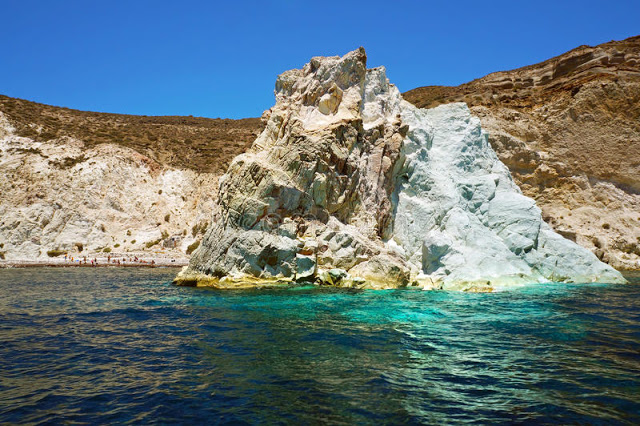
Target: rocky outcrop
{"points": [[350, 185], [313, 194], [568, 130]]}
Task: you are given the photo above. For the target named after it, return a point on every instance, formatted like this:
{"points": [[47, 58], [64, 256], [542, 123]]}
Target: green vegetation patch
{"points": [[152, 243], [199, 228], [193, 246]]}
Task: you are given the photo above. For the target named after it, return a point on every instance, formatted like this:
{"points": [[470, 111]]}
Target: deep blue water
{"points": [[123, 345]]}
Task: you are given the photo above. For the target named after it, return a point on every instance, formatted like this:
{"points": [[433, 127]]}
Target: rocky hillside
{"points": [[82, 182], [194, 143], [569, 131]]}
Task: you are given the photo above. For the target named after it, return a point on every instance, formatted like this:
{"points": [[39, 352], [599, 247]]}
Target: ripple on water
{"points": [[126, 346]]}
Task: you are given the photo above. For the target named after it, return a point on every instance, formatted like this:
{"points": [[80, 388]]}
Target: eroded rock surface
{"points": [[61, 196], [350, 185], [569, 131]]}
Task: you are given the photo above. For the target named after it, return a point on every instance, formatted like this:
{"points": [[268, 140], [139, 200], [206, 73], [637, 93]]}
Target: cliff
{"points": [[350, 185], [569, 131], [85, 183]]}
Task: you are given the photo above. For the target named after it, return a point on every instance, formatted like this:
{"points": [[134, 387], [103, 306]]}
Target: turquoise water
{"points": [[123, 345]]}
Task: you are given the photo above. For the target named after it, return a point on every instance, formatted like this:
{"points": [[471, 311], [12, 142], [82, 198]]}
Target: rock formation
{"points": [[568, 129], [350, 185], [61, 196]]}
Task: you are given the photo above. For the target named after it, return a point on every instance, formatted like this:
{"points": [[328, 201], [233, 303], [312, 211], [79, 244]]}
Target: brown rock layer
{"points": [[196, 143]]}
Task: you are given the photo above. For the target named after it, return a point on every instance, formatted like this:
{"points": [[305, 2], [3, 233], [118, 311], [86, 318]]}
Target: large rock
{"points": [[350, 185]]}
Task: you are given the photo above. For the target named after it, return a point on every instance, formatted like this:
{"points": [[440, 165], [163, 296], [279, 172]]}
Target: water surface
{"points": [[123, 345]]}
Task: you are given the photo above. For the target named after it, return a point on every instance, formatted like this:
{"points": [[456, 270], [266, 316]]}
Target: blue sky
{"points": [[220, 59]]}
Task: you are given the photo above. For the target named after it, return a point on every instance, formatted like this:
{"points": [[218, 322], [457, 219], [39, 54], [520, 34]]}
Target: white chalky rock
{"points": [[389, 195], [62, 195], [463, 222]]}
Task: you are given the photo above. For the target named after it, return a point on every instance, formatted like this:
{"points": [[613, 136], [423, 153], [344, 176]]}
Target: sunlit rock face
{"points": [[350, 185], [65, 196], [460, 219]]}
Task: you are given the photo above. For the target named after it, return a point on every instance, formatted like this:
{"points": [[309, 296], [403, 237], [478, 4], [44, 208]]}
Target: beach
{"points": [[138, 260]]}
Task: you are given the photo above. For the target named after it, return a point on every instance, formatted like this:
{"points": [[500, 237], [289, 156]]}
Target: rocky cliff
{"points": [[350, 185], [569, 131], [85, 183]]}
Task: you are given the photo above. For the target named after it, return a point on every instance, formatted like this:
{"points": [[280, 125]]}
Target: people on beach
{"points": [[112, 260]]}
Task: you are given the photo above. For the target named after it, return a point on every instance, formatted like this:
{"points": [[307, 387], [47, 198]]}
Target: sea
{"points": [[110, 345]]}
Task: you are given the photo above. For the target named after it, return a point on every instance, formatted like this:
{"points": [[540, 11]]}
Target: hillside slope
{"points": [[569, 131], [196, 143], [87, 183]]}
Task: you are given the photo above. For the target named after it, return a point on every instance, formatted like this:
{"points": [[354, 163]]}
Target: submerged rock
{"points": [[350, 185]]}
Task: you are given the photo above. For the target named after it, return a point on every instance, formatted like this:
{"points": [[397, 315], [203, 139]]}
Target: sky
{"points": [[221, 59]]}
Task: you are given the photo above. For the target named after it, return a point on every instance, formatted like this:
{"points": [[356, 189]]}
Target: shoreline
{"points": [[106, 265], [102, 263], [632, 275]]}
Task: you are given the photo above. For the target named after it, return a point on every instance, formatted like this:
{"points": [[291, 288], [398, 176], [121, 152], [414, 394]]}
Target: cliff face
{"points": [[314, 191], [64, 197], [569, 131], [350, 185], [85, 183]]}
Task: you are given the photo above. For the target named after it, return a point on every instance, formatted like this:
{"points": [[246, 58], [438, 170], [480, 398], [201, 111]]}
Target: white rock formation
{"points": [[460, 218], [350, 185], [59, 195]]}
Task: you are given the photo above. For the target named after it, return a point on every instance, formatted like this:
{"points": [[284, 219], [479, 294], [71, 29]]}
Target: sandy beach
{"points": [[128, 261]]}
